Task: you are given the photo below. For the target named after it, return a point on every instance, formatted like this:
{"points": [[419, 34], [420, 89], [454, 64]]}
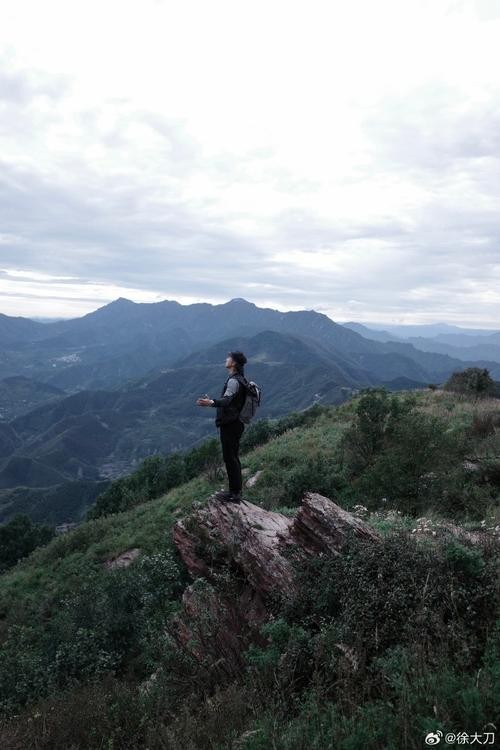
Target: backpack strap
{"points": [[241, 379]]}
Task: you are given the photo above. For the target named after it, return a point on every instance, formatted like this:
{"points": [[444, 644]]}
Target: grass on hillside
{"points": [[300, 459], [375, 648]]}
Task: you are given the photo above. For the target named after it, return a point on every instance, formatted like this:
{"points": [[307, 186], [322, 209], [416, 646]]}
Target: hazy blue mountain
{"points": [[15, 330], [93, 436], [427, 330], [19, 394], [402, 384], [90, 437], [177, 353], [273, 348], [464, 347], [469, 339], [9, 440], [371, 333], [125, 340], [55, 504]]}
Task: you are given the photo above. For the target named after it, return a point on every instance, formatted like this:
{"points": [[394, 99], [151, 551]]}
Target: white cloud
{"points": [[342, 156]]}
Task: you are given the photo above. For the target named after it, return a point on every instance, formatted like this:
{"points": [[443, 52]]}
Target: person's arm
{"points": [[230, 392]]}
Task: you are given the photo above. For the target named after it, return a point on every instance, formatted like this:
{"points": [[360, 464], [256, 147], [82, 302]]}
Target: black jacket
{"points": [[231, 401]]}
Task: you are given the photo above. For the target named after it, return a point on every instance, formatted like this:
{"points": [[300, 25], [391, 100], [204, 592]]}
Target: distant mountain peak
{"points": [[240, 300], [122, 301], [110, 310]]}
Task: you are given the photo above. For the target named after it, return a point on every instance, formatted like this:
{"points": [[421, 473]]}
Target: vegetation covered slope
{"points": [[86, 658]]}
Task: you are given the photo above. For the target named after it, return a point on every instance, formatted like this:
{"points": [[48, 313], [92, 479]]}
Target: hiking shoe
{"points": [[228, 496], [223, 494]]}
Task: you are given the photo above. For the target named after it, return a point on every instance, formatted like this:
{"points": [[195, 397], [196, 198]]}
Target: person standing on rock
{"points": [[228, 422]]}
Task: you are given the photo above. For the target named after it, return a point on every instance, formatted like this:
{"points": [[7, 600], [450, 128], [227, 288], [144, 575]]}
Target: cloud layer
{"points": [[337, 156]]}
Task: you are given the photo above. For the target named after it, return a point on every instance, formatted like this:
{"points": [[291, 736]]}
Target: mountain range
{"points": [[85, 400], [465, 344]]}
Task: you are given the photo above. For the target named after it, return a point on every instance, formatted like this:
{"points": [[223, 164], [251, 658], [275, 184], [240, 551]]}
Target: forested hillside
{"points": [[371, 646]]}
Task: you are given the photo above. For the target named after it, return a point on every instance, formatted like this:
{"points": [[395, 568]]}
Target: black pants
{"points": [[230, 438]]}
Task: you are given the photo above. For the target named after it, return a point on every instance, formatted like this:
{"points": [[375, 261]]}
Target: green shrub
{"points": [[473, 381], [374, 422], [205, 458], [109, 623], [319, 474], [19, 537], [483, 425], [154, 477], [400, 592], [407, 456]]}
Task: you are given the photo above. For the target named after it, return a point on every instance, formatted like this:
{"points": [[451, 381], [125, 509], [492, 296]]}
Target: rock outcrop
{"points": [[123, 560], [251, 481], [252, 550], [257, 540]]}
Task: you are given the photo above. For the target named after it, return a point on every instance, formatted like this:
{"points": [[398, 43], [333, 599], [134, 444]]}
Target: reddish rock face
{"points": [[323, 526], [243, 533], [255, 539], [258, 545]]}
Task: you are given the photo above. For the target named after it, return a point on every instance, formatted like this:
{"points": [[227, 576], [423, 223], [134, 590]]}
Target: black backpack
{"points": [[253, 393]]}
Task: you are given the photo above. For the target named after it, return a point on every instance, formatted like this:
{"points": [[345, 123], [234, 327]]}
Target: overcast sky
{"points": [[340, 156]]}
